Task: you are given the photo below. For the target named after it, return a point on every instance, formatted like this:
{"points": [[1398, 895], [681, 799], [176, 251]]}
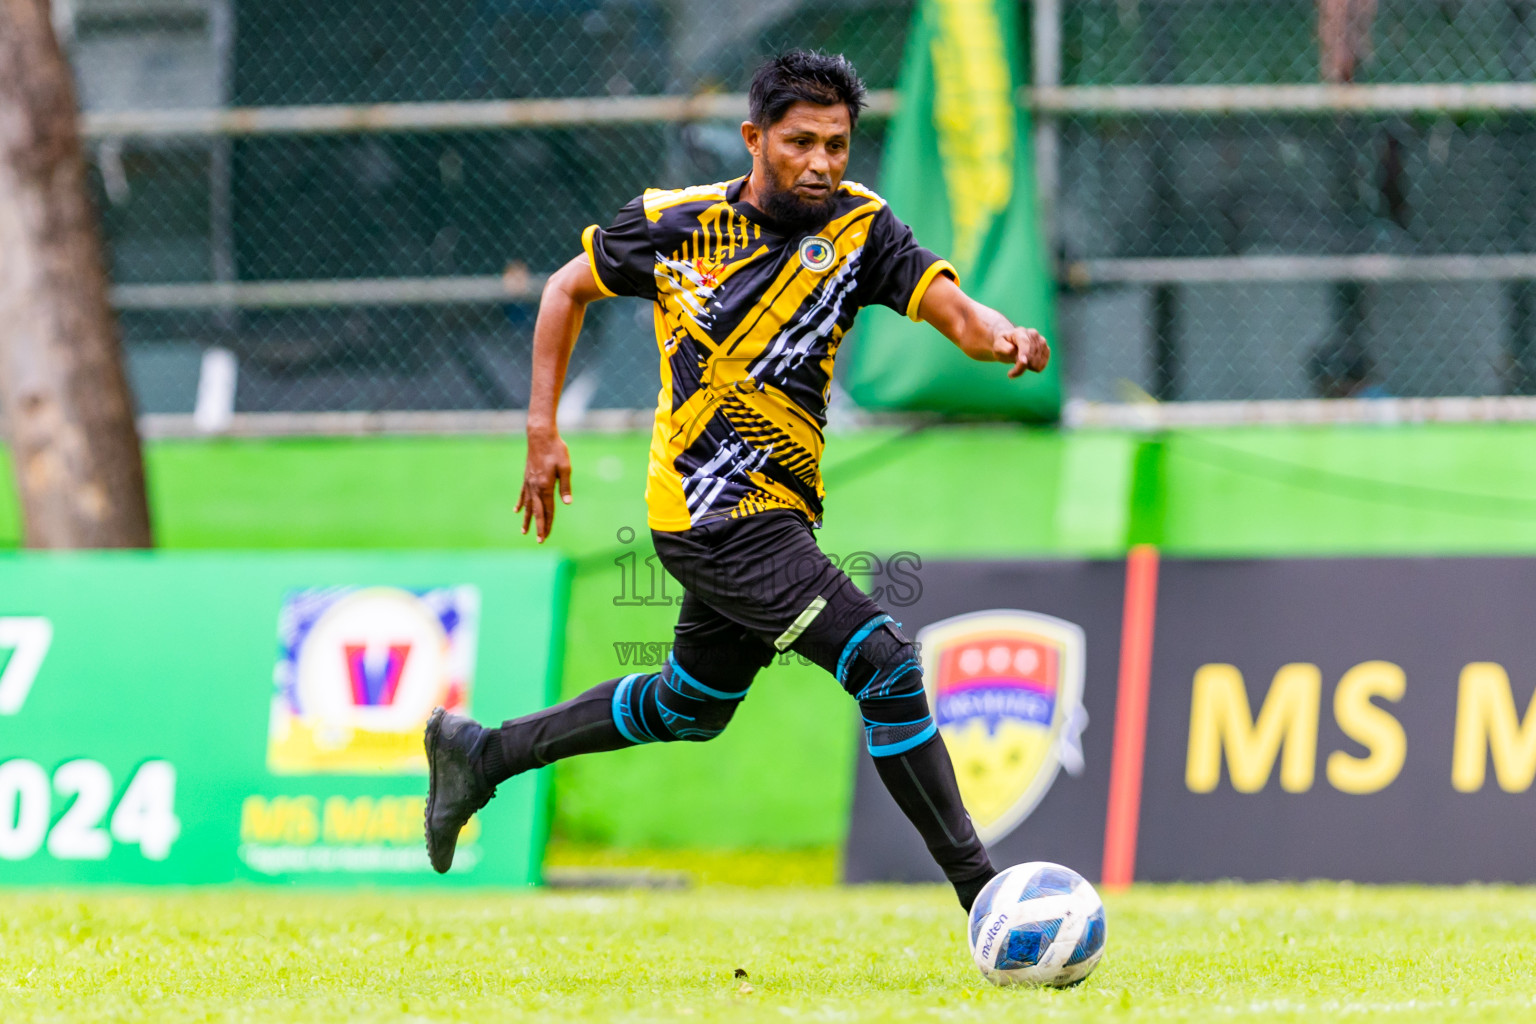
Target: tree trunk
{"points": [[63, 392]]}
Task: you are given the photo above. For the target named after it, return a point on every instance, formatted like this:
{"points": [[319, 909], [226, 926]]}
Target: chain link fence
{"points": [[1426, 192], [1204, 254], [1273, 42], [1442, 199], [429, 243]]}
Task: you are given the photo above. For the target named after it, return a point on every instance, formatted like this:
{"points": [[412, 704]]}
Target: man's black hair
{"points": [[781, 82]]}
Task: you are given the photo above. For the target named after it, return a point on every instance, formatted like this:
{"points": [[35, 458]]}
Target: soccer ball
{"points": [[1037, 924]]}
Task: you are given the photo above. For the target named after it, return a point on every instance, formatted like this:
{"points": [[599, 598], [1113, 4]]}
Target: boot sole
{"points": [[434, 726]]}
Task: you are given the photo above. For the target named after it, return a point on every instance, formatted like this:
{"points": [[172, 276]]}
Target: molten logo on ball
{"points": [[1006, 689], [1037, 924]]}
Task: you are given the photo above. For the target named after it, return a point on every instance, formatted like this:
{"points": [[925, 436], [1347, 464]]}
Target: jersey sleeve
{"points": [[900, 270], [622, 256]]}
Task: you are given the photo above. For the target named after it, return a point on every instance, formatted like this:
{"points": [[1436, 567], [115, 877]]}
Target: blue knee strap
{"points": [[678, 672], [845, 659], [880, 668], [660, 707]]}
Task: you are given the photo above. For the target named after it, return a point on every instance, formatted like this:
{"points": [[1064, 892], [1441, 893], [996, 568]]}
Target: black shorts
{"points": [[754, 587]]}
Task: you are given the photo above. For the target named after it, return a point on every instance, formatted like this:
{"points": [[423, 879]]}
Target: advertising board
{"points": [[191, 718], [1367, 719]]}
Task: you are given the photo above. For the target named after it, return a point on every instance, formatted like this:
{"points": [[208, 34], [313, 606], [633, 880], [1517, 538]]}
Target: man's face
{"points": [[801, 160]]}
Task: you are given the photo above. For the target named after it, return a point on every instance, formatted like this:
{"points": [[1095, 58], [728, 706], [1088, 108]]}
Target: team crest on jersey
{"points": [[359, 670], [1006, 690], [817, 254]]}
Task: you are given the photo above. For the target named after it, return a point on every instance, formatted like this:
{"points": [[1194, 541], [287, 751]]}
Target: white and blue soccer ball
{"points": [[1037, 924]]}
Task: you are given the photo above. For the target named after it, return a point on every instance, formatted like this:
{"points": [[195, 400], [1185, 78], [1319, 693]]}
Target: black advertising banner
{"points": [[1385, 716], [1368, 719]]}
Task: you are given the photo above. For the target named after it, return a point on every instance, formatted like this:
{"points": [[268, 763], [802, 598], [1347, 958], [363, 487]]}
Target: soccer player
{"points": [[755, 282]]}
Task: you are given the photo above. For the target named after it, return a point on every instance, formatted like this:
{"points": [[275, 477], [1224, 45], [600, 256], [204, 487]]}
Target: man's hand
{"points": [[561, 308], [548, 464], [980, 332], [1024, 347]]}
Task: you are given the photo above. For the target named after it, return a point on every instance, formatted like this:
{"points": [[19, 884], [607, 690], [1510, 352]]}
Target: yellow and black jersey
{"points": [[748, 320]]}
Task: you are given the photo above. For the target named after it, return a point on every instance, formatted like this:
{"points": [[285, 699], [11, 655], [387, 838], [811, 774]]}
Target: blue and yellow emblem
{"points": [[1006, 689], [817, 253]]}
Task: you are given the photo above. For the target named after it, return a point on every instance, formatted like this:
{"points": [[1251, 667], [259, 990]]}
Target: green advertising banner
{"points": [[958, 169], [196, 718]]}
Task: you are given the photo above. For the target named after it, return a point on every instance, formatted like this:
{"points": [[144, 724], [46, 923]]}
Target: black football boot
{"points": [[456, 786]]}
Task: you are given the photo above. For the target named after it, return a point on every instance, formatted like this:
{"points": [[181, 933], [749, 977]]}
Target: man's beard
{"points": [[795, 214]]}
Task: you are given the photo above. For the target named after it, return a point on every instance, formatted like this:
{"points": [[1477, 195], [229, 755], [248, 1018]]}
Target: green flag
{"points": [[958, 170]]}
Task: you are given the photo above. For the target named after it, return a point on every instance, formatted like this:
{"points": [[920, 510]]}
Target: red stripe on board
{"points": [[1130, 717]]}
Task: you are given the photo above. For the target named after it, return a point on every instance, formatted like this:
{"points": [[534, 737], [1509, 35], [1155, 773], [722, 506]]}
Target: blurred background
{"points": [[1285, 251], [356, 251]]}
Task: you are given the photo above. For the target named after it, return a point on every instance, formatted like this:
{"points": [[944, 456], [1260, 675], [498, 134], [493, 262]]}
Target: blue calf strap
{"points": [[629, 724], [903, 745]]}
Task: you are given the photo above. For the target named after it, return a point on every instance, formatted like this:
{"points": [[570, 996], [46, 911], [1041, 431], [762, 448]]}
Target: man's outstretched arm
{"points": [[561, 309], [981, 332]]}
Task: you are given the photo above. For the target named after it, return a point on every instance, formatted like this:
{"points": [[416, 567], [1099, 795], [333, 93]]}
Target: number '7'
{"points": [[29, 638]]}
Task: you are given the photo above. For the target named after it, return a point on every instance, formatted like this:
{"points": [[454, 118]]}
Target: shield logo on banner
{"points": [[1006, 689]]}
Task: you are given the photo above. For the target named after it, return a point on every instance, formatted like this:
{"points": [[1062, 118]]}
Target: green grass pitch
{"points": [[818, 953]]}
